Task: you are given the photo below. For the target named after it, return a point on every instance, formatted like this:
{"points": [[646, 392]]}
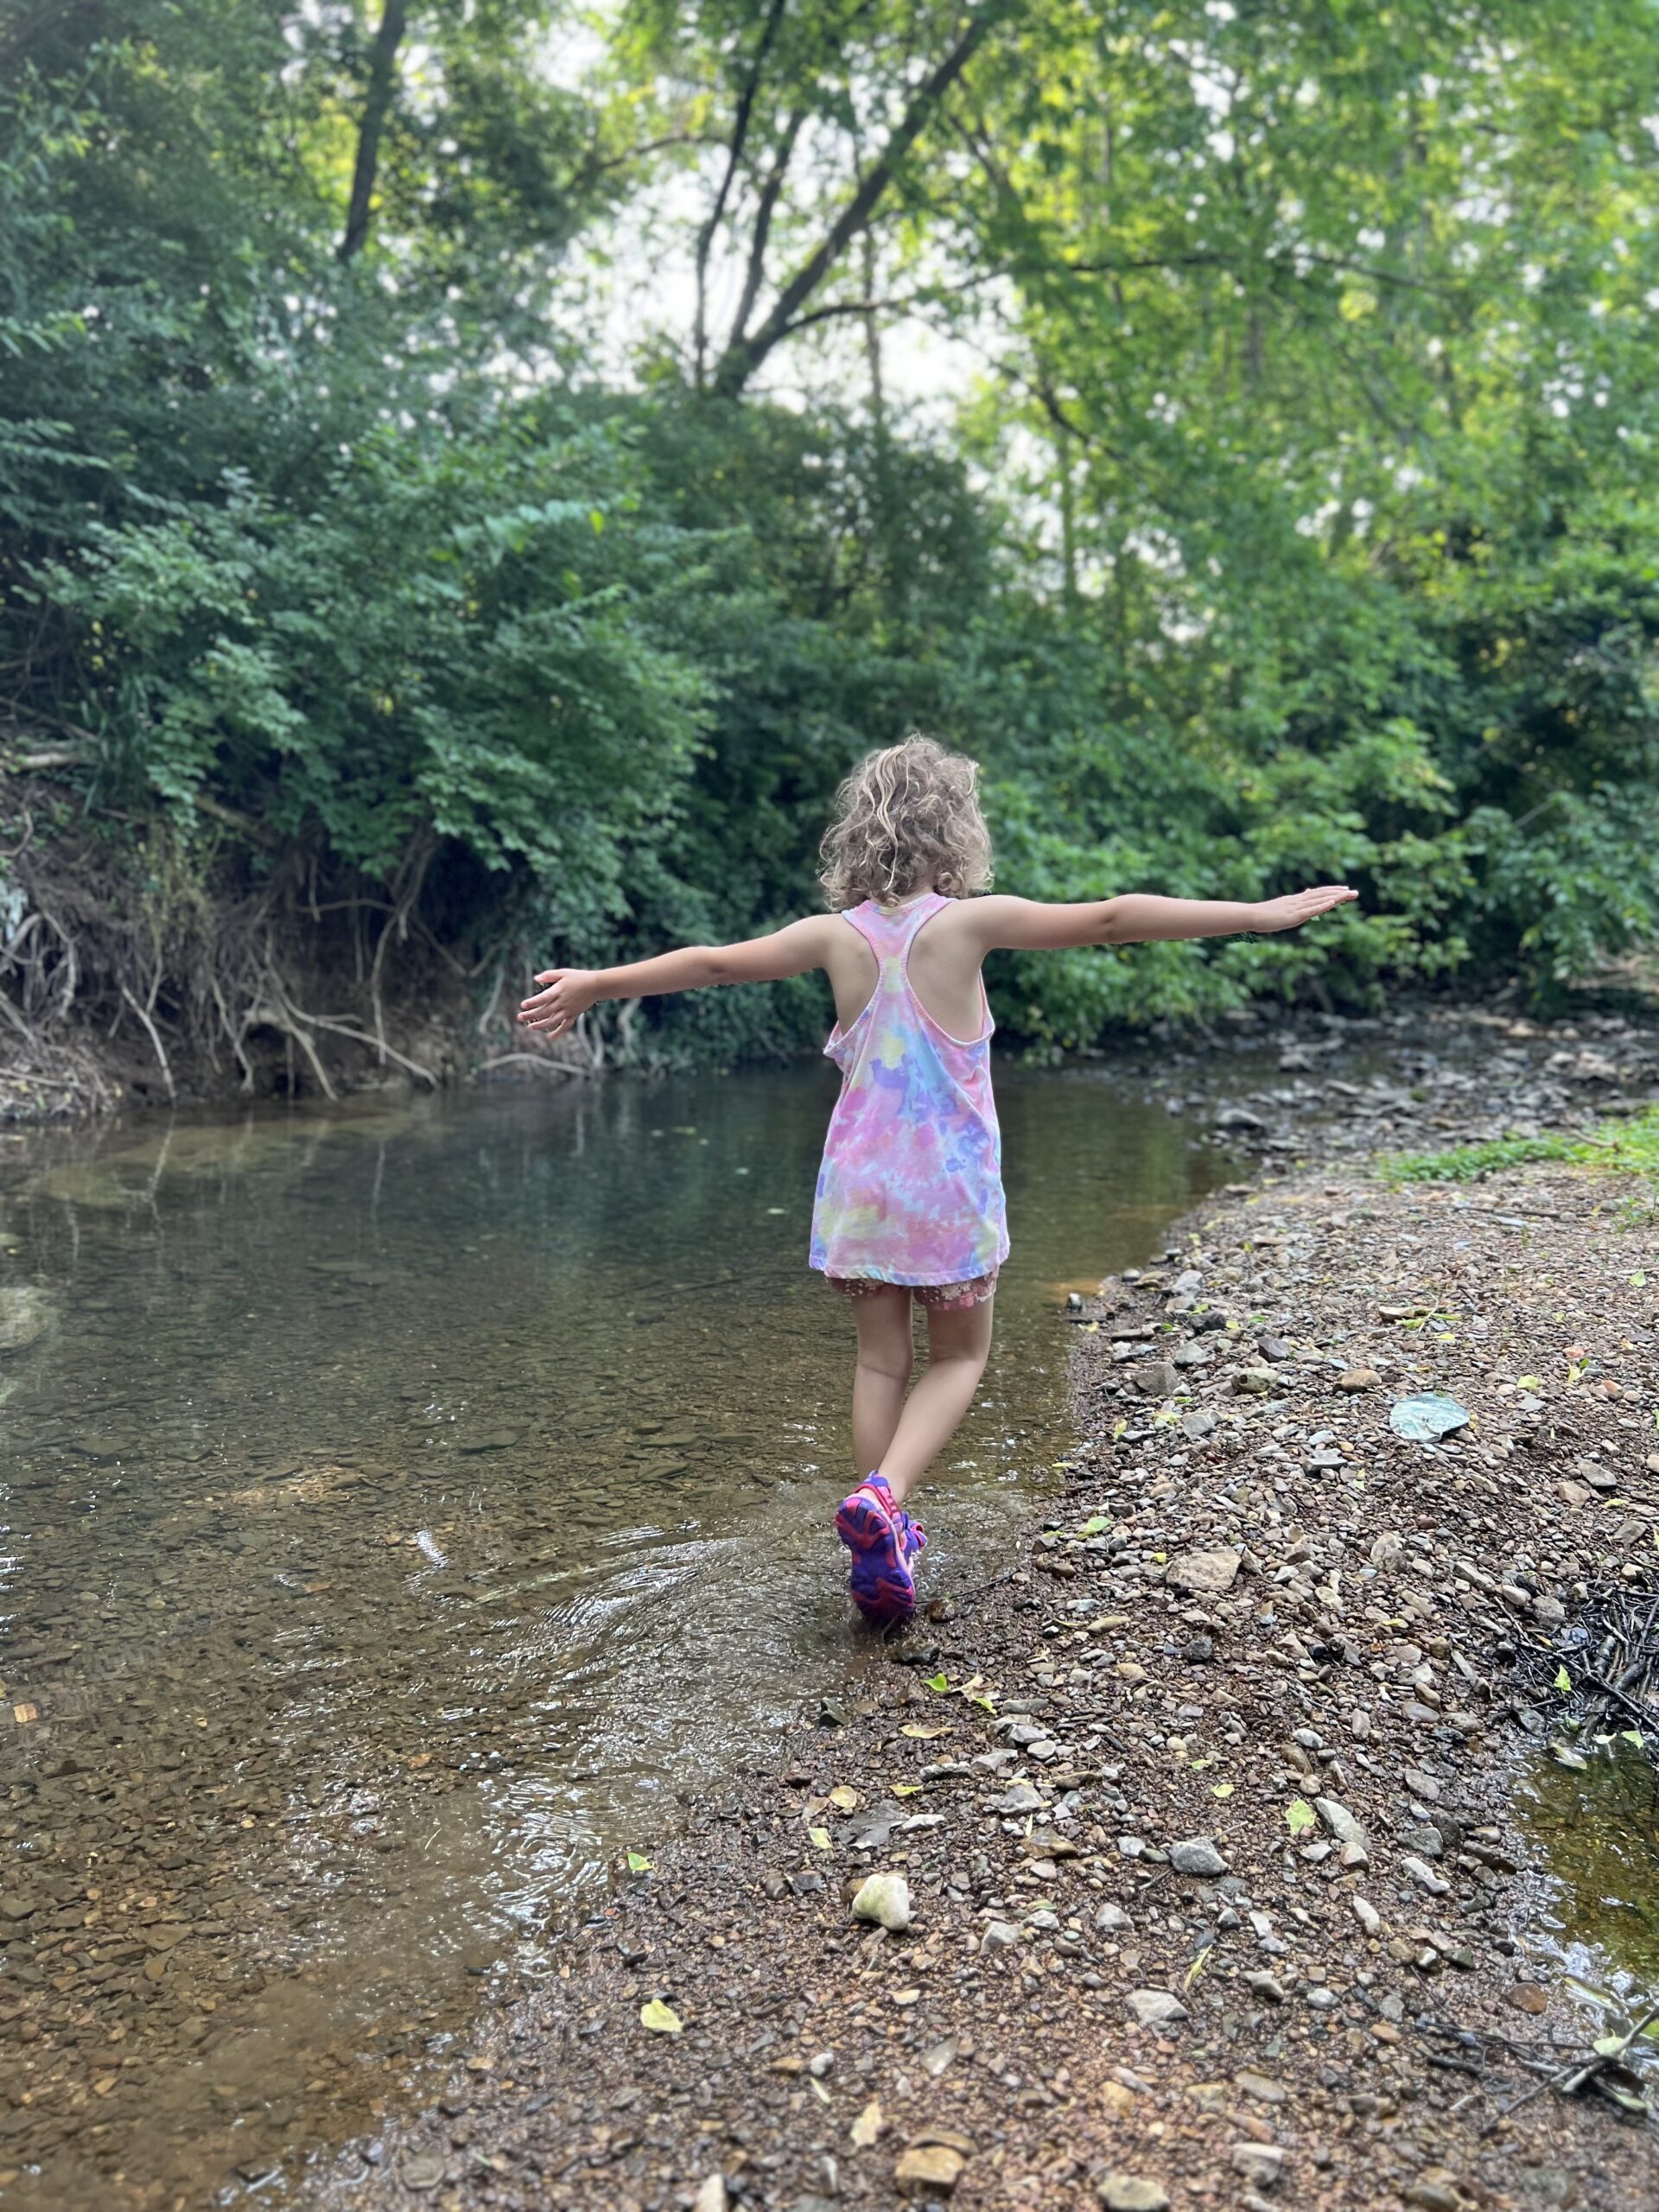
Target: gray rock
{"points": [[1113, 1918], [1264, 1985], [25, 1314], [1197, 1855], [999, 1935], [1274, 1348], [1153, 1378], [1260, 2163], [1206, 1573], [1155, 2008], [1020, 1797], [1387, 1550], [1346, 1829], [1425, 1877]]}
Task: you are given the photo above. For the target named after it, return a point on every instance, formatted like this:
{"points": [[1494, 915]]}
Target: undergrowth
{"points": [[1625, 1146]]}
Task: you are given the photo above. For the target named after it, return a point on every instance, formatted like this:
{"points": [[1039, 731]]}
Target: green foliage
{"points": [[1629, 1145], [1301, 527]]}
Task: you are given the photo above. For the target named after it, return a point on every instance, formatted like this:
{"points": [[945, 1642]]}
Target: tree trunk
{"points": [[383, 77]]}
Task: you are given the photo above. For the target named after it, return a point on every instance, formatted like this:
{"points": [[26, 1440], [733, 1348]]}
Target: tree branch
{"points": [[734, 162], [745, 354], [382, 68]]}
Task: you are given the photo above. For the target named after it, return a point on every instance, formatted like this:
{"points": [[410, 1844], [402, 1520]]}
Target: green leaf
{"points": [[934, 1682], [1300, 1816], [638, 1863], [1563, 1680], [661, 2018]]}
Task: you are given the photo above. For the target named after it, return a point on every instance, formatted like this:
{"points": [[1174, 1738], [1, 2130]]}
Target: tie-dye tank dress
{"points": [[911, 1188]]}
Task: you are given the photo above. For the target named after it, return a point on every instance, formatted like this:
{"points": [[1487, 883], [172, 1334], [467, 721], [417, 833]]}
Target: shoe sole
{"points": [[881, 1585]]}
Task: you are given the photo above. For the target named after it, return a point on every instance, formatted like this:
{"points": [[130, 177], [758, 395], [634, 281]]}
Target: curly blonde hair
{"points": [[907, 819]]}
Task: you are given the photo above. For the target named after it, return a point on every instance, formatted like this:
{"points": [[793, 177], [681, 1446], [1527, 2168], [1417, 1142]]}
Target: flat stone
{"points": [[1260, 2163], [927, 2168], [1206, 1573], [1264, 1985], [1153, 1378], [999, 1936], [1359, 1378], [1424, 1876], [1262, 2087], [1122, 2192], [1155, 2008], [1346, 1828], [1197, 1855]]}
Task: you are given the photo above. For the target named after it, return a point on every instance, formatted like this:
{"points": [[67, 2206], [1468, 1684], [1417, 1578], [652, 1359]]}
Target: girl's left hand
{"points": [[1299, 906], [567, 996]]}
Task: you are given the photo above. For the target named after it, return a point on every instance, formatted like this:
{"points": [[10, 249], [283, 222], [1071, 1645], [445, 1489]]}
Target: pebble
{"points": [[1359, 1378], [884, 1898], [1265, 1985], [1424, 1876], [999, 1935], [1206, 1573], [1122, 2192], [1155, 2008], [927, 2167], [1197, 1855], [1346, 1829], [1261, 2163]]}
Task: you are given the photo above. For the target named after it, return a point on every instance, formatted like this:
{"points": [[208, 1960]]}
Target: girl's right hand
{"points": [[1299, 906], [567, 996]]}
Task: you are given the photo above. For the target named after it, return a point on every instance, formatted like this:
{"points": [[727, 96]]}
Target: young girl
{"points": [[909, 1203]]}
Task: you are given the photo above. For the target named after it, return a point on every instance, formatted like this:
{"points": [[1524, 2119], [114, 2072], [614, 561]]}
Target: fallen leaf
{"points": [[1300, 1815], [1220, 1789], [638, 1863], [661, 2018], [942, 1728], [934, 1682], [820, 1837], [1563, 1680], [844, 1800]]}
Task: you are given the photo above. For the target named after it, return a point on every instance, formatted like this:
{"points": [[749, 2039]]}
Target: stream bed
{"points": [[399, 1507]]}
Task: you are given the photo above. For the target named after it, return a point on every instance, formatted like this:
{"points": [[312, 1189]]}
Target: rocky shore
{"points": [[1199, 1884]]}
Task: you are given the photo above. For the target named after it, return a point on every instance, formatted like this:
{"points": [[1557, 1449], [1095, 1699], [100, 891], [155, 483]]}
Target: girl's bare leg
{"points": [[959, 1343], [886, 1350]]}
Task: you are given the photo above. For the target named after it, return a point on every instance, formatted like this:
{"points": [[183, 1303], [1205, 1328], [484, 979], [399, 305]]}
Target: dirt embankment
{"points": [[1201, 1810]]}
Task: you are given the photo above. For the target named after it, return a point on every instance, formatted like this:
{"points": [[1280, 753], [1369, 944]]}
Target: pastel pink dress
{"points": [[911, 1188]]}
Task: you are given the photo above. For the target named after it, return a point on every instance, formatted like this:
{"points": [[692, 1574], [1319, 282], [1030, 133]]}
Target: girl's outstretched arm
{"points": [[1140, 918], [567, 993]]}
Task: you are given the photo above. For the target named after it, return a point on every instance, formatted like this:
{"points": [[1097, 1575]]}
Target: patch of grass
{"points": [[1467, 1163], [1626, 1145]]}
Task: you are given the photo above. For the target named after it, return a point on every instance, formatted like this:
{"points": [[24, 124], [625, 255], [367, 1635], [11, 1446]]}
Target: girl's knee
{"points": [[892, 1359]]}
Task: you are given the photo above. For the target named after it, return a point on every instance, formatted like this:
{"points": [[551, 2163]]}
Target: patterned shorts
{"points": [[938, 1297]]}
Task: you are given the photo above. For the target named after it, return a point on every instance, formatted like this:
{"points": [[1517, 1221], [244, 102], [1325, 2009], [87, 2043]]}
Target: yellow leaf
{"points": [[1529, 1381], [1300, 1815], [820, 1837], [907, 1788], [638, 1863], [926, 1734], [1220, 1789], [843, 1799], [1196, 1967], [869, 2125], [662, 2019]]}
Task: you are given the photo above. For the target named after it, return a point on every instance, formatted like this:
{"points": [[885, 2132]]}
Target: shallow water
{"points": [[398, 1509], [1597, 1830]]}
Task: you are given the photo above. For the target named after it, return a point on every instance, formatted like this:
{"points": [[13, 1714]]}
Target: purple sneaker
{"points": [[883, 1541]]}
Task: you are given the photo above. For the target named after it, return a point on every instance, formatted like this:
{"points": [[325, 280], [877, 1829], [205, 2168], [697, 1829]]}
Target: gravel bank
{"points": [[1211, 1894]]}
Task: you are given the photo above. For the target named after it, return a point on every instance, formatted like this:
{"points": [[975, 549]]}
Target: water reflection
{"points": [[1598, 1830], [399, 1508]]}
